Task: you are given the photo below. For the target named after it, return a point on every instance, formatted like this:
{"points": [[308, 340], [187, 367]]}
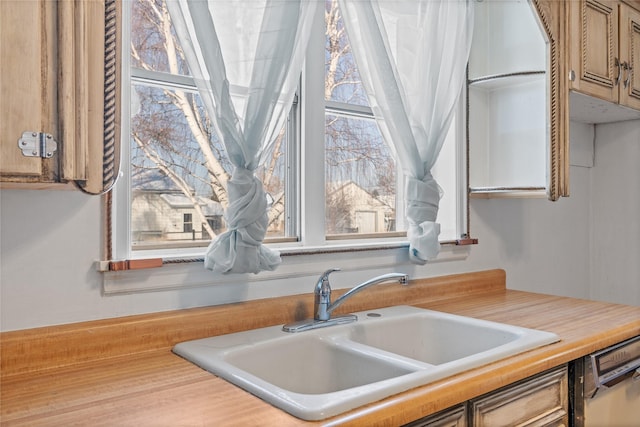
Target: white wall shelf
{"points": [[507, 98]]}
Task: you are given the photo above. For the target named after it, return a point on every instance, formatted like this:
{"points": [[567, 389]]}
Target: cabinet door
{"points": [[60, 76], [630, 55], [594, 48], [539, 401], [28, 86], [452, 417]]}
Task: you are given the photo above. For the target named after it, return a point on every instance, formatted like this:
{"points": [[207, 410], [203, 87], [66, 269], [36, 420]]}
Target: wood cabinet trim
{"points": [[89, 81], [550, 14], [633, 3]]}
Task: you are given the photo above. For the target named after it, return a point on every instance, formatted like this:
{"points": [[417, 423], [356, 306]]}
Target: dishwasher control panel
{"points": [[615, 362]]}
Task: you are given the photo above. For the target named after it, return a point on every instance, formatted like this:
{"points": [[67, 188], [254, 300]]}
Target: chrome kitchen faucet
{"points": [[323, 306]]}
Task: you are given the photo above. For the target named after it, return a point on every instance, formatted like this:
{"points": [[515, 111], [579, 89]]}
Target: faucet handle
{"points": [[322, 295], [325, 275], [322, 286]]}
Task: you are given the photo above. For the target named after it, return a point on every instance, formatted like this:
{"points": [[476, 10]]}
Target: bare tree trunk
{"points": [[219, 177]]}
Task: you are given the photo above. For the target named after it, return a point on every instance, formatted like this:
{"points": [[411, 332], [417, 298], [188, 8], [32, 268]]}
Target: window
{"points": [[187, 223], [360, 171], [331, 180]]}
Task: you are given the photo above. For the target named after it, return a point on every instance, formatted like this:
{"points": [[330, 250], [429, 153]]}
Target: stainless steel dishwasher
{"points": [[606, 387]]}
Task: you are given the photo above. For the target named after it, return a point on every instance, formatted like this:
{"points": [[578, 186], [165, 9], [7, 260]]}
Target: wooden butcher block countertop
{"points": [[121, 372]]}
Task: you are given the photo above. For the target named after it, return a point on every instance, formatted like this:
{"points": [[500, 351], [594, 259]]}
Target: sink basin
{"points": [[312, 365], [320, 373], [438, 338]]}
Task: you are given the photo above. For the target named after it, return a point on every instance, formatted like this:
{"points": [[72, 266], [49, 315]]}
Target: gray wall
{"points": [[615, 214], [576, 247]]}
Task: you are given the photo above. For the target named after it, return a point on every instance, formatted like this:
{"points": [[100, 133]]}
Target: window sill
{"points": [[297, 263]]}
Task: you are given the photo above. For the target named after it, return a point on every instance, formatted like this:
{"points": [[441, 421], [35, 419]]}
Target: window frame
{"points": [[313, 251]]}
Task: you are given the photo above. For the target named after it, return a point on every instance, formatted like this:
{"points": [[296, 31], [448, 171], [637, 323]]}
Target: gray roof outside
{"points": [[152, 180]]}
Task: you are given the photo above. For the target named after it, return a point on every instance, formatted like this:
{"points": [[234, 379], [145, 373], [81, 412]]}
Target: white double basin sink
{"points": [[323, 372]]}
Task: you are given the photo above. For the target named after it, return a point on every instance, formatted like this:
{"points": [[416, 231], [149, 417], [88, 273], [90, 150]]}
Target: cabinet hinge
{"points": [[37, 144]]}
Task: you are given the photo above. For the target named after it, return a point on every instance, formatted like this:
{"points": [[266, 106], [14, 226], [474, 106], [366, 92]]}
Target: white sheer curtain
{"points": [[412, 57], [246, 58]]}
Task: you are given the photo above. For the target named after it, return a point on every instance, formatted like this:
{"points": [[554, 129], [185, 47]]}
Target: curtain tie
{"points": [[423, 197], [240, 249]]}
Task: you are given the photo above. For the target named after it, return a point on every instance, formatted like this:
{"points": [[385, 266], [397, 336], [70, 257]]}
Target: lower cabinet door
{"points": [[451, 417], [538, 401]]}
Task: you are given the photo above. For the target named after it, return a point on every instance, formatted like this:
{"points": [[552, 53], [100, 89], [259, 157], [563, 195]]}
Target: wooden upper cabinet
{"points": [[604, 38], [630, 54], [28, 84], [59, 80], [594, 47]]}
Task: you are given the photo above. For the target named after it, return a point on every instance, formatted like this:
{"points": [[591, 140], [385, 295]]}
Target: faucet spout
{"points": [[323, 306], [400, 277]]}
